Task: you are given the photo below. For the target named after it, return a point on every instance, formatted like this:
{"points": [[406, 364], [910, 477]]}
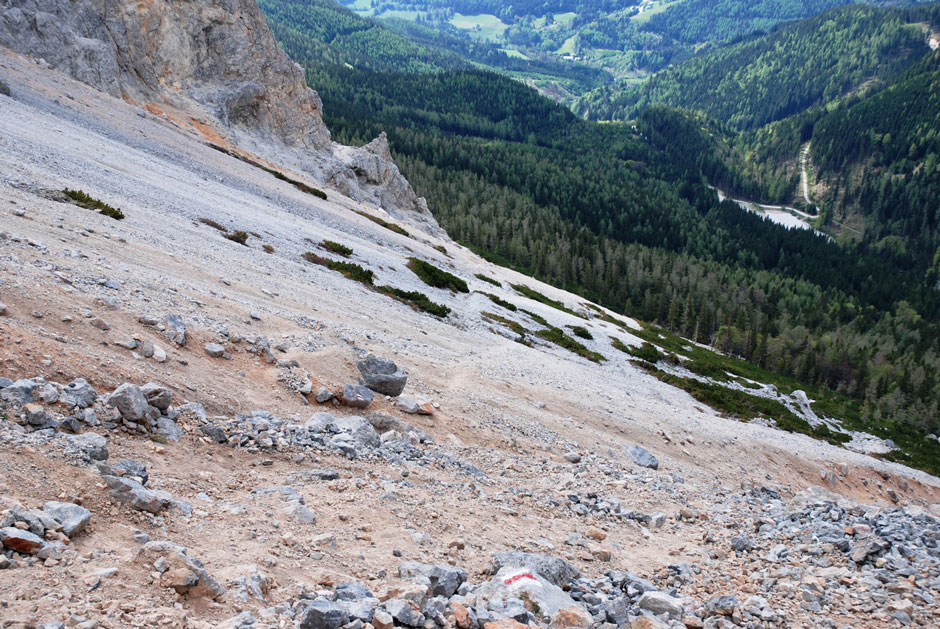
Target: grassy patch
{"points": [[442, 249], [581, 332], [539, 297], [537, 318], [277, 174], [418, 301], [350, 270], [486, 278], [238, 236], [90, 203], [267, 248], [556, 336], [501, 302], [438, 278], [515, 326], [646, 351], [335, 247], [384, 223], [213, 224]]}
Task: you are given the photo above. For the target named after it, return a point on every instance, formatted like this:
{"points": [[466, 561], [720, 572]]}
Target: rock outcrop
{"points": [[215, 63]]}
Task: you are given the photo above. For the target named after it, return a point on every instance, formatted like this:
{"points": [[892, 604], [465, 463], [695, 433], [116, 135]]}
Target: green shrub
{"points": [[485, 278], [501, 302], [348, 269], [277, 174], [238, 236], [442, 249], [539, 297], [90, 203], [335, 247], [581, 332], [380, 221], [418, 301], [438, 278], [561, 339]]}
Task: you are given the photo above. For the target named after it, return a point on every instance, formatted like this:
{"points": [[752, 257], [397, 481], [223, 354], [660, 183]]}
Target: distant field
{"points": [[657, 7], [568, 48], [490, 26], [565, 19], [405, 15], [512, 52]]}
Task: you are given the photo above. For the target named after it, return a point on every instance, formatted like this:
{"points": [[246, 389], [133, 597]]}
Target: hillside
{"points": [[248, 381], [768, 78]]}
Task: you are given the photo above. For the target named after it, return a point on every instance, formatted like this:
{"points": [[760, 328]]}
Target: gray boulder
{"points": [[444, 579], [355, 396], [215, 350], [89, 445], [353, 591], [214, 432], [553, 569], [130, 402], [358, 428], [542, 598], [20, 392], [405, 612], [322, 614], [167, 428], [132, 493], [158, 395], [382, 376], [660, 603], [643, 457], [176, 329], [133, 469], [23, 542], [72, 517]]}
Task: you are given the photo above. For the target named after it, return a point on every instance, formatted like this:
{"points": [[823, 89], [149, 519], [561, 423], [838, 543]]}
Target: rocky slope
{"points": [[213, 65], [188, 436]]}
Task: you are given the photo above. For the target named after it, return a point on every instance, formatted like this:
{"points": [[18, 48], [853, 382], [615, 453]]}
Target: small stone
{"points": [[176, 329], [356, 396], [382, 376], [381, 619], [215, 350], [148, 320], [405, 612], [101, 324], [572, 457], [130, 402], [322, 614], [159, 354], [35, 414], [596, 534], [214, 432], [643, 457], [324, 395], [661, 603]]}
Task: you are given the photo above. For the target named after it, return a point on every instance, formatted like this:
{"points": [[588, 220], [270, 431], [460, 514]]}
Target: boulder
{"points": [[322, 614], [413, 407], [353, 591], [176, 329], [554, 569], [132, 469], [405, 612], [660, 603], [382, 376], [724, 605], [167, 428], [72, 517], [132, 493], [541, 597], [214, 432], [157, 395], [324, 395], [130, 402], [215, 350], [643, 457], [181, 572], [23, 542], [88, 445], [355, 396], [444, 579], [20, 392]]}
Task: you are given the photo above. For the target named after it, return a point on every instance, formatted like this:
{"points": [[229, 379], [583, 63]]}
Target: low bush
{"points": [[90, 203], [398, 229], [335, 247], [438, 278]]}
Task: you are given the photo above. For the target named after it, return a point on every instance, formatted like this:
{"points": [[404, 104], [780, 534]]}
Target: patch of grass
{"points": [[539, 297], [277, 174], [418, 301], [398, 229], [90, 203], [646, 351], [501, 302], [442, 249], [213, 224], [348, 269], [581, 332], [267, 248], [486, 278], [515, 326], [556, 336], [438, 278], [537, 318], [335, 247], [238, 236]]}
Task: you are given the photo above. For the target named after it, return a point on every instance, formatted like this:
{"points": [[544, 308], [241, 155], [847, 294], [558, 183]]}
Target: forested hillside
{"points": [[798, 66], [623, 216]]}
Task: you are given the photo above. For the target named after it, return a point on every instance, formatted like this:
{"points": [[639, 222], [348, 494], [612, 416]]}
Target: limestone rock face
{"points": [[217, 55], [215, 63]]}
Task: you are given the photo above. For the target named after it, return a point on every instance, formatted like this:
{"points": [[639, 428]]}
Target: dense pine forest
{"points": [[623, 214]]}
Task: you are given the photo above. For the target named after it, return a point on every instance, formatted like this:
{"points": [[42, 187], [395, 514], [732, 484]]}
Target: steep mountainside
{"points": [[211, 65]]}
